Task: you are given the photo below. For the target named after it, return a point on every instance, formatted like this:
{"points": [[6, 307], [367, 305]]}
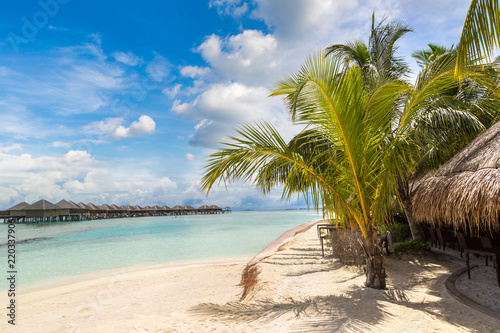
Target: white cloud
{"points": [[57, 28], [221, 108], [145, 125], [111, 128], [249, 57], [5, 71], [58, 144], [77, 176], [15, 146], [158, 68], [103, 127], [172, 92], [190, 157], [234, 8], [194, 71], [128, 58], [235, 102]]}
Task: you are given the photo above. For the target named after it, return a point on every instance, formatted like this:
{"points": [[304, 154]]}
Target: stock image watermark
{"points": [[31, 25], [11, 272]]}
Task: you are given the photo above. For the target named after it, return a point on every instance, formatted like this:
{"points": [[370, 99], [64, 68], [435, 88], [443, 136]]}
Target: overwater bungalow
{"points": [[204, 209], [166, 210], [64, 211], [189, 210], [216, 209], [74, 213], [18, 210], [45, 211], [178, 210]]}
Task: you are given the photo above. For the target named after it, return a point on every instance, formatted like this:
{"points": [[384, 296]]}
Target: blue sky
{"points": [[122, 101]]}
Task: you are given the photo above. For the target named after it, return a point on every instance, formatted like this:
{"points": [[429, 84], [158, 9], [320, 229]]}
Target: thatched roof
{"points": [[67, 205], [114, 207], [177, 207], [104, 207], [466, 189], [204, 207], [215, 207], [19, 206], [91, 206], [42, 205], [81, 205]]}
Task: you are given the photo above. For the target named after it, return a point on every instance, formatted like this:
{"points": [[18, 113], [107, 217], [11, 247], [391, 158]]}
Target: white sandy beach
{"points": [[297, 291]]}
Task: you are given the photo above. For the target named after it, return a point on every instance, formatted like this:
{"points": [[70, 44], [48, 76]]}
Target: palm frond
{"points": [[480, 34]]}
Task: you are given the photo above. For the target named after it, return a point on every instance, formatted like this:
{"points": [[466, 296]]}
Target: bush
{"points": [[411, 247], [400, 231], [346, 247]]}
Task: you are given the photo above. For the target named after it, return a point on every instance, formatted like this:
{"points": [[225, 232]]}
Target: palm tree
{"points": [[480, 34], [377, 60], [345, 162], [451, 117], [425, 56], [462, 115]]}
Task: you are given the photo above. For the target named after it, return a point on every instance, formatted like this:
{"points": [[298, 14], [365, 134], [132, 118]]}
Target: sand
{"points": [[297, 291]]}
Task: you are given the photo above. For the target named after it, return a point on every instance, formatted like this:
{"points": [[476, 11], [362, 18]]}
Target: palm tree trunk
{"points": [[416, 231], [375, 269], [404, 196]]}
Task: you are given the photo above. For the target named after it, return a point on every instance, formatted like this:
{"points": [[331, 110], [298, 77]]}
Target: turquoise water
{"points": [[50, 250]]}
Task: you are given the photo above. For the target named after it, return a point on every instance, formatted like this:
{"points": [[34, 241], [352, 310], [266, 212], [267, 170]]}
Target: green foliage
{"points": [[480, 34], [400, 231], [411, 247]]}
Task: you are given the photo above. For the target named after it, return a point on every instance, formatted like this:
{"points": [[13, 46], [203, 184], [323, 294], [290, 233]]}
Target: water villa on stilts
{"points": [[66, 211]]}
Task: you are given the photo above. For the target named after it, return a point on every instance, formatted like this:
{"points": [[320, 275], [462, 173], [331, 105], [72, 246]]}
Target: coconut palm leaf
{"points": [[480, 34]]}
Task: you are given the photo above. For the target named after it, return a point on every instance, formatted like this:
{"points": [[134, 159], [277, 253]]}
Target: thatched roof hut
{"points": [[465, 191], [67, 204], [215, 208], [91, 206], [19, 206], [42, 205], [82, 206], [115, 207]]}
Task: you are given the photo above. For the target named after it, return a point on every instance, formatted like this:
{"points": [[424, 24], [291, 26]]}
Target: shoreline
{"points": [[88, 277], [95, 275]]}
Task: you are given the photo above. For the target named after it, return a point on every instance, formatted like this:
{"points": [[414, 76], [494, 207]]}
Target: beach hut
{"points": [[215, 209], [44, 211], [178, 210], [74, 213], [204, 209], [464, 193], [93, 210], [18, 210], [189, 210], [165, 210]]}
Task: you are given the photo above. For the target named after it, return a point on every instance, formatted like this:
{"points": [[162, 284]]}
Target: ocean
{"points": [[52, 250]]}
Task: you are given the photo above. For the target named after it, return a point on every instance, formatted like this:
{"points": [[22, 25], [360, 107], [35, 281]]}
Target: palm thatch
{"points": [[215, 207], [42, 205], [19, 206], [83, 206], [91, 206], [114, 207], [465, 191]]}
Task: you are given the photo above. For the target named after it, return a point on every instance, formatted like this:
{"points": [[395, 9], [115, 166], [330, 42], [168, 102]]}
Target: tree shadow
{"points": [[360, 309]]}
